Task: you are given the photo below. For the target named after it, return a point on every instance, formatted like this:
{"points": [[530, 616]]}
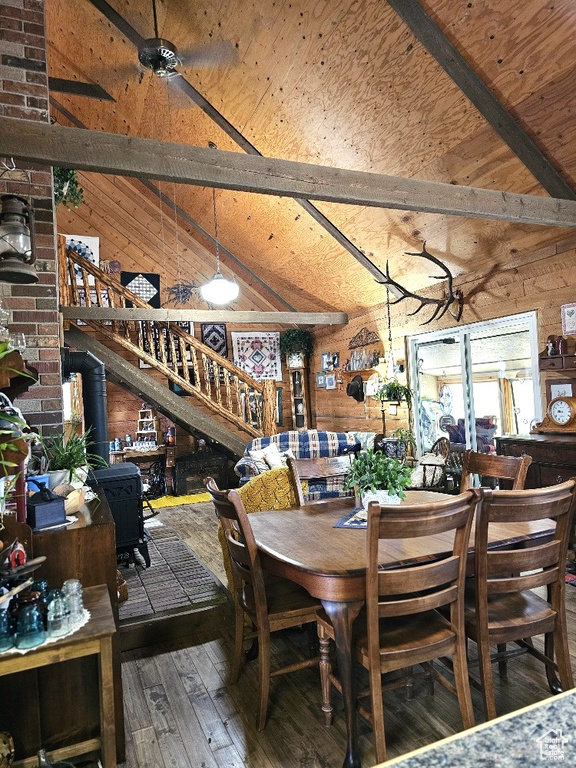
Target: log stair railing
{"points": [[166, 347]]}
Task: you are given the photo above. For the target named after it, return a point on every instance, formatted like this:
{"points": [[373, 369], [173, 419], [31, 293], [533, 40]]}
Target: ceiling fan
{"points": [[163, 58]]}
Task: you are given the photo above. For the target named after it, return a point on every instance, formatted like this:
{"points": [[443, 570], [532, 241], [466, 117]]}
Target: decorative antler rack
{"points": [[452, 301]]}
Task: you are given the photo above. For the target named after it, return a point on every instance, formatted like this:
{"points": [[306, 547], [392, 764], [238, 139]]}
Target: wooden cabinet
{"points": [[55, 706], [553, 456], [299, 396]]}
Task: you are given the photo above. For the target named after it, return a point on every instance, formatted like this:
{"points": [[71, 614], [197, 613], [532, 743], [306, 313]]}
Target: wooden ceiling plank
{"points": [[455, 65], [131, 156], [182, 83], [206, 316]]}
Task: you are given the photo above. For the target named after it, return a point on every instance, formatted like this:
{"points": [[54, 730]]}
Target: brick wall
{"points": [[34, 308]]}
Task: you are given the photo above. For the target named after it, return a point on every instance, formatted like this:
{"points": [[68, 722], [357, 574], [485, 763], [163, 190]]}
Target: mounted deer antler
{"points": [[451, 302]]}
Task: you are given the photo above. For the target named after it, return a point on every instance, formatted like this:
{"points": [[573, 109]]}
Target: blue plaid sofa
{"points": [[308, 444]]}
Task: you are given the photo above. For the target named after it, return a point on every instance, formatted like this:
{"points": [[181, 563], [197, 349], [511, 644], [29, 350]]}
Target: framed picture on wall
{"points": [[568, 318], [321, 381], [326, 361], [330, 381], [560, 388]]}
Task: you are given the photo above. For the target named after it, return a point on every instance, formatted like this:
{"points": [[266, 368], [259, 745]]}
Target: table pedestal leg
{"points": [[342, 616]]}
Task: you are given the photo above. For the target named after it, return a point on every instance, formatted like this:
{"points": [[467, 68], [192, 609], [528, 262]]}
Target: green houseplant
{"points": [[68, 458], [372, 473], [391, 390], [66, 187], [296, 343]]}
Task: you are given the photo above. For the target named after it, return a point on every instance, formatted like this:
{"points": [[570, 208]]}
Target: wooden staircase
{"points": [[228, 406]]}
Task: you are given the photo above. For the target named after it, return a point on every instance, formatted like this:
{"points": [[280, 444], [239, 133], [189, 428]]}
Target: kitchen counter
{"points": [[535, 736]]}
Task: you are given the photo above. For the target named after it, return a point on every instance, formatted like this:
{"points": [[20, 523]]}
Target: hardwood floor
{"points": [[181, 711]]}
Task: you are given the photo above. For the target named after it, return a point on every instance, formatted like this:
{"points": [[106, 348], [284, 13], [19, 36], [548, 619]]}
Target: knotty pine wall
{"points": [[541, 281]]}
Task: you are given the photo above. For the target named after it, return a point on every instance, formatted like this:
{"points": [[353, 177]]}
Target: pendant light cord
{"points": [[216, 230], [390, 351]]}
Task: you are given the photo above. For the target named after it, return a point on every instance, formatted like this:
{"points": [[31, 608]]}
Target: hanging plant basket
{"points": [[67, 190]]}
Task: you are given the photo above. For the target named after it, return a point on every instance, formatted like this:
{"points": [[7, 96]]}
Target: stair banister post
{"points": [[269, 407]]}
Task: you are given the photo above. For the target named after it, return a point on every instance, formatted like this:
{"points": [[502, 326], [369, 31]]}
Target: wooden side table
{"points": [[94, 638]]}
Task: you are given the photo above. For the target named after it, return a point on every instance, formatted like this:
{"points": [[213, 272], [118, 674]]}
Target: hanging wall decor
{"points": [[214, 336], [257, 353], [143, 284]]}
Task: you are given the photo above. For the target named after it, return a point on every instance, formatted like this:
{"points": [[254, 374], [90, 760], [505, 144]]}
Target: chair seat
{"points": [[405, 640], [512, 616], [285, 600]]}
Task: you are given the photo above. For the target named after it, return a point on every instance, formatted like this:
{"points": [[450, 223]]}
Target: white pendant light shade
{"points": [[219, 290]]}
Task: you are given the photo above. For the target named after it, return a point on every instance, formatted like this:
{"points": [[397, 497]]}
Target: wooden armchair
{"points": [[403, 624], [271, 604], [504, 608], [511, 468]]}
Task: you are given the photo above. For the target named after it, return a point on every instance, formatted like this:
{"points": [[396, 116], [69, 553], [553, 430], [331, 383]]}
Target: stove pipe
{"points": [[93, 394]]}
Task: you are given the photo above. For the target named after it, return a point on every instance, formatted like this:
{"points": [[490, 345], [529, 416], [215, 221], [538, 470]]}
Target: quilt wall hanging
{"points": [[257, 353], [143, 284], [214, 336]]}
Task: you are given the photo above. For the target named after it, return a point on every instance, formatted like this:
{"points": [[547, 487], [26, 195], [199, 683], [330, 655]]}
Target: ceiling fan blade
{"points": [[77, 88], [212, 55]]}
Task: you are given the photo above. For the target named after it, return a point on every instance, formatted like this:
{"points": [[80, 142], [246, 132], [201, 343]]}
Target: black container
{"points": [[44, 514]]}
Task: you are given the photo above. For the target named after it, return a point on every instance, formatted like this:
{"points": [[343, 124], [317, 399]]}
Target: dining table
{"points": [[302, 545]]}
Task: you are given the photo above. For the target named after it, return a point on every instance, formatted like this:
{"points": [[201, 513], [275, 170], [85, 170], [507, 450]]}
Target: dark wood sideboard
{"points": [[58, 705], [553, 456]]}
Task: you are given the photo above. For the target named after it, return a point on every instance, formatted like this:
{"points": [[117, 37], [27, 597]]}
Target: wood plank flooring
{"points": [[182, 711]]}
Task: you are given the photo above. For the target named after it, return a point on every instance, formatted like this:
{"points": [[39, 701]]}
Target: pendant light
{"points": [[219, 290]]}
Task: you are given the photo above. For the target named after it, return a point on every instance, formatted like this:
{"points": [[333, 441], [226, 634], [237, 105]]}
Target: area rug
{"points": [[175, 501], [176, 580], [570, 578]]}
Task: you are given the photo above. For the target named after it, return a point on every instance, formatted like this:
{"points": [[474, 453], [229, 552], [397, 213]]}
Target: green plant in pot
{"points": [[391, 390], [405, 439], [295, 345], [378, 478], [67, 190], [69, 459]]}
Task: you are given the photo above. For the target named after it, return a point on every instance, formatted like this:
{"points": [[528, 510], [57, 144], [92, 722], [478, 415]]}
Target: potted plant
{"points": [[405, 440], [66, 187], [68, 458], [376, 477], [295, 345], [391, 390]]}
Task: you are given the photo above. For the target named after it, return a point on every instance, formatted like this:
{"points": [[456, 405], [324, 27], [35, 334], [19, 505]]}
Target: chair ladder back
{"points": [[443, 580], [244, 557], [503, 571], [512, 468]]}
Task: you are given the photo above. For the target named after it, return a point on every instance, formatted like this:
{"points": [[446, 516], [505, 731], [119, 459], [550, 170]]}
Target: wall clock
{"points": [[560, 416]]}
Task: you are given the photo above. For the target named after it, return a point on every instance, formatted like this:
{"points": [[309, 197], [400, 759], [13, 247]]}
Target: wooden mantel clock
{"points": [[560, 416]]}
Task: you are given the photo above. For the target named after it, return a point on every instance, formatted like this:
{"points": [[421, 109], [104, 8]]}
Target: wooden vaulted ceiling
{"points": [[331, 82]]}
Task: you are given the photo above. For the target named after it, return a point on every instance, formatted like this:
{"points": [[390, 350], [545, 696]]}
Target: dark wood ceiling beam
{"points": [[205, 316], [244, 273], [147, 158], [231, 131], [455, 65]]}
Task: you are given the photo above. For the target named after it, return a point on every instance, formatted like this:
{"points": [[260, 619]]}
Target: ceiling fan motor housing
{"points": [[159, 55]]}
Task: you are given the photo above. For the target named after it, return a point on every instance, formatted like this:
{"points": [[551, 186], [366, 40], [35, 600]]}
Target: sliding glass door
{"points": [[475, 382]]}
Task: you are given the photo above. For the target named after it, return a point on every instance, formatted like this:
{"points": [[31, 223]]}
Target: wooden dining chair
{"points": [[271, 603], [311, 469], [403, 626], [503, 607], [512, 468]]}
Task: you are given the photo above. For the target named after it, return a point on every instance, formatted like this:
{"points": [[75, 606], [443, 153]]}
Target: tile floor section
{"points": [[175, 581]]}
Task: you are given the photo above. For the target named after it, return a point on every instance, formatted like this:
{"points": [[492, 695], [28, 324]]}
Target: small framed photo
{"points": [[330, 381], [335, 360], [326, 361], [568, 318], [321, 381], [559, 388]]}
